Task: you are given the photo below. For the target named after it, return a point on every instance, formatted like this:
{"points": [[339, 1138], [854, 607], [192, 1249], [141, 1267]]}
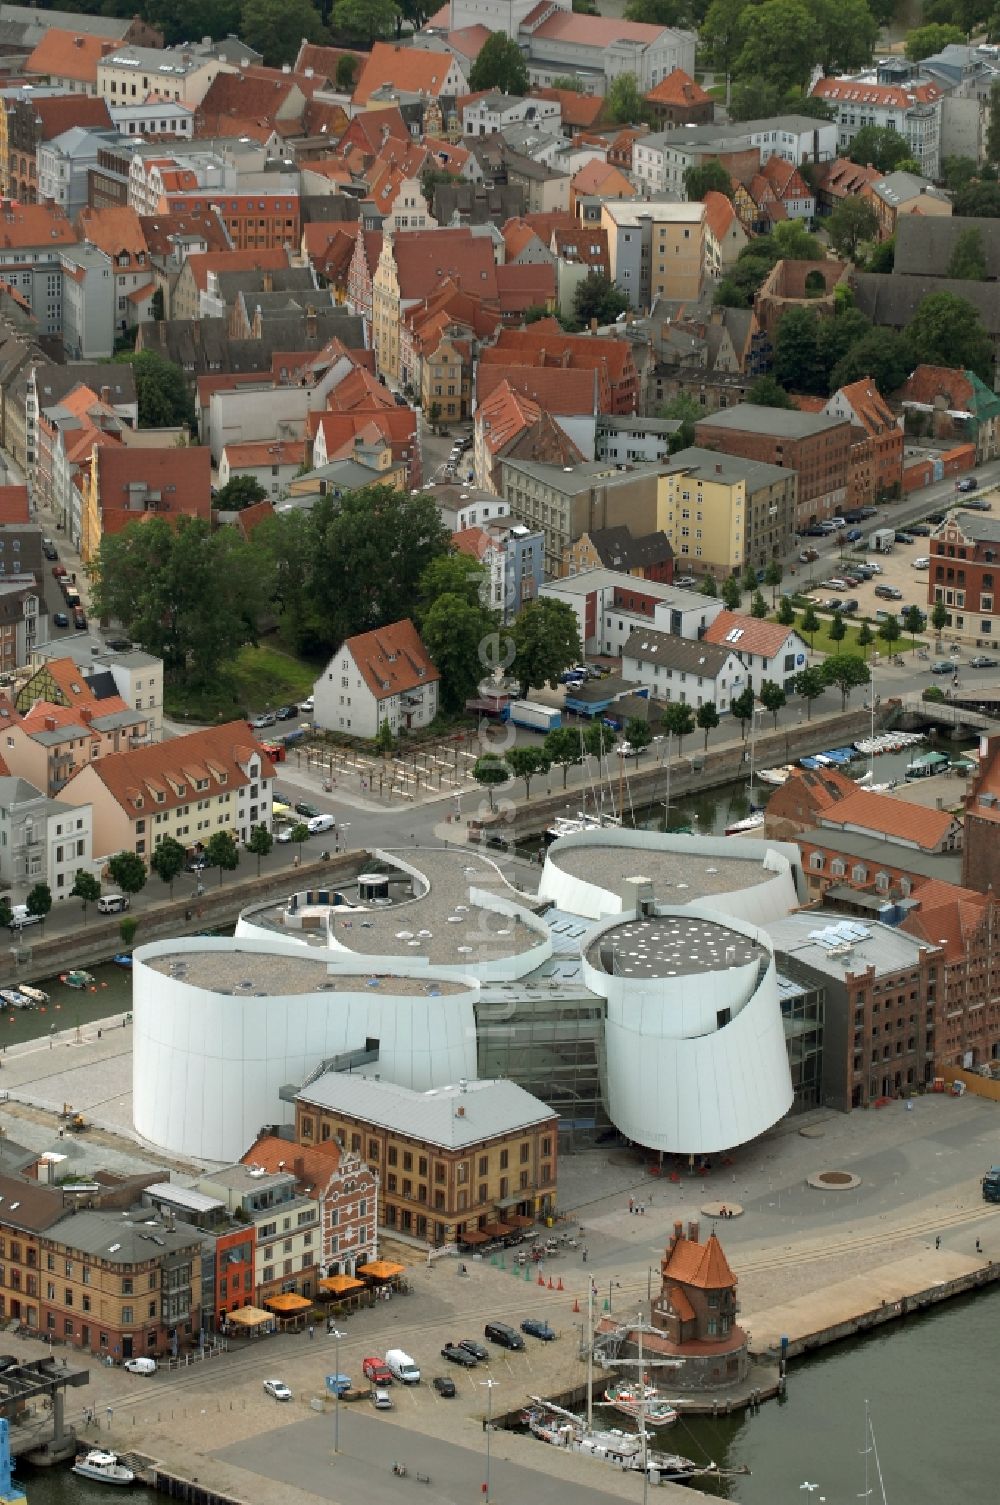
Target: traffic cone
{"points": [[541, 1280], [560, 1286], [576, 1305], [551, 1286]]}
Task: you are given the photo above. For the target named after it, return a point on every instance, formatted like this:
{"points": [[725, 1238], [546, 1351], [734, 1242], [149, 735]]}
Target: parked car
{"points": [[49, 549], [943, 666], [920, 530], [832, 603], [807, 556], [979, 504], [60, 619], [112, 903], [444, 1385], [303, 807], [308, 704], [816, 531], [456, 1354], [277, 1389], [286, 712], [863, 572], [536, 1328], [920, 563], [888, 593], [375, 1369], [983, 661], [139, 1366], [850, 605], [59, 570], [854, 535], [503, 1334], [79, 619], [381, 1399], [475, 1348], [868, 511], [338, 1384], [265, 718], [834, 583], [21, 917], [686, 582], [904, 537], [968, 483]]}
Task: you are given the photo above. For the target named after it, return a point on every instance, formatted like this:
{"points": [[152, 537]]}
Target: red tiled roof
{"points": [[172, 769], [578, 110], [929, 383], [870, 408], [604, 178], [469, 40], [187, 470], [410, 70], [116, 231], [681, 1304], [62, 111], [504, 414], [678, 88], [472, 541], [313, 1165], [392, 659], [159, 230], [424, 257], [323, 60], [701, 1265], [886, 816], [850, 91], [203, 262], [595, 31], [69, 54], [841, 177], [265, 452], [555, 389], [761, 638], [719, 213], [24, 225], [528, 286]]}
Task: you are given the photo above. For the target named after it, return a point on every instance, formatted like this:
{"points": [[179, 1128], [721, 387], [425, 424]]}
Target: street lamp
{"points": [[611, 1283], [488, 1386], [336, 1334]]}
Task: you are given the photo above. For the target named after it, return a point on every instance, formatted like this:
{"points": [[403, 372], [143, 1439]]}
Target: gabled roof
{"points": [[68, 54], [14, 504], [554, 389], [527, 286], [604, 178], [578, 110], [927, 385], [947, 916], [60, 112], [472, 541], [116, 231], [719, 213], [392, 659], [489, 1108], [851, 91], [409, 70], [164, 775], [870, 408], [842, 177], [263, 260], [25, 225], [703, 1265], [666, 649], [425, 257], [162, 231], [312, 1165], [619, 549], [599, 32], [678, 88], [181, 475], [882, 815], [761, 638], [323, 60]]}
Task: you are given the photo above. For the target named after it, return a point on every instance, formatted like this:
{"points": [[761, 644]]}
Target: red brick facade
{"points": [[821, 460], [965, 575]]}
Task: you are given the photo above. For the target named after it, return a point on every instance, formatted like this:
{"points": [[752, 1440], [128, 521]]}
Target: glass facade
{"points": [[802, 1013], [551, 1045]]}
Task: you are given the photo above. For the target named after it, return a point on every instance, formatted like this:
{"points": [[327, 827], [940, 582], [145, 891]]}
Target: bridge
{"points": [[955, 713]]}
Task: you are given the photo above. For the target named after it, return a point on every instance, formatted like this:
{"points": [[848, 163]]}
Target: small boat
{"points": [[77, 978], [925, 765], [103, 1467], [15, 999], [37, 995], [776, 776], [624, 1450], [122, 959], [625, 1396], [748, 823]]}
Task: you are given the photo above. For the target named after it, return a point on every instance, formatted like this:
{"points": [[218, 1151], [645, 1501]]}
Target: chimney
{"points": [[693, 1232], [106, 395], [678, 1233], [50, 723], [86, 714], [718, 468], [299, 1166], [269, 282], [310, 323]]}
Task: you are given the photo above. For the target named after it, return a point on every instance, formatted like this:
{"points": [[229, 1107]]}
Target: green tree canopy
{"points": [[731, 592], [810, 623], [767, 392], [167, 861], [847, 34], [707, 717], [968, 259], [162, 393], [794, 243], [348, 67], [877, 146], [524, 763], [222, 852], [786, 612], [489, 771], [39, 900], [128, 872], [500, 65], [978, 201], [453, 574], [883, 354], [809, 684], [782, 42], [687, 412], [260, 843], [597, 297], [890, 631], [639, 734], [947, 331], [546, 641], [709, 177], [624, 102], [678, 718], [958, 172], [796, 364], [239, 492], [758, 606], [562, 747], [722, 32], [277, 28], [939, 616], [453, 629], [181, 20], [658, 12], [846, 671], [86, 888], [852, 224], [925, 41], [772, 698], [742, 707]]}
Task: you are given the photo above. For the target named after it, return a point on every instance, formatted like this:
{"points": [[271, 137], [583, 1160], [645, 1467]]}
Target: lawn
{"points": [[259, 679], [823, 643]]}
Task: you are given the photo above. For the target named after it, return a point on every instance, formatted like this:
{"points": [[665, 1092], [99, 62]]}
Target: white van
{"points": [[140, 1366], [19, 917], [398, 1361], [112, 903], [321, 823]]}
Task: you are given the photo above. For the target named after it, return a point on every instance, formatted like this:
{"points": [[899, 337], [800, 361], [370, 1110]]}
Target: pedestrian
{"points": [[99, 1033], [586, 1253], [312, 1332], [631, 1205], [937, 1242], [642, 1209], [111, 1416], [979, 1247]]}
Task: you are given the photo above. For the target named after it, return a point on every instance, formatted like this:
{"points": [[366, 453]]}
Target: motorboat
{"points": [[628, 1398], [77, 978], [36, 995], [748, 823], [122, 959], [15, 999], [776, 776], [104, 1467]]}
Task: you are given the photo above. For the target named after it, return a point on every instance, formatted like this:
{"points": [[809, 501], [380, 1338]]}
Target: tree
{"points": [[847, 34], [167, 861], [709, 177], [939, 616], [846, 671], [810, 623], [751, 96], [657, 12], [742, 707], [180, 20], [239, 492], [946, 331], [222, 852], [597, 297], [562, 746], [489, 771], [958, 172], [925, 41], [914, 621], [722, 32], [278, 27], [792, 242], [708, 586], [758, 606], [749, 577], [796, 364], [624, 102], [686, 411], [707, 717], [524, 763], [781, 43], [883, 355], [731, 593], [299, 833], [786, 612], [162, 393], [127, 927], [384, 740], [598, 739], [430, 178], [979, 201], [6, 912], [837, 630], [883, 256], [877, 146], [128, 872], [156, 306], [765, 392], [499, 65], [434, 416], [678, 718], [638, 733], [809, 684], [260, 843], [39, 900], [865, 637], [546, 640], [773, 575], [852, 224], [839, 335], [347, 71], [86, 888], [968, 257], [569, 82], [453, 631], [772, 698], [890, 631]]}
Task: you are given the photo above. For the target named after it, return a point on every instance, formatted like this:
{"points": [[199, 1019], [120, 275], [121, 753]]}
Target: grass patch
{"points": [[821, 641], [258, 679]]}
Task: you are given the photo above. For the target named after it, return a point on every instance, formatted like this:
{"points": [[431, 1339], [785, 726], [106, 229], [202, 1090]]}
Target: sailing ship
{"points": [[625, 1450]]}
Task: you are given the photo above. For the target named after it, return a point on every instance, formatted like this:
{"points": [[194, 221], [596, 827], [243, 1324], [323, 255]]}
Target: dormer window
{"points": [[160, 797]]}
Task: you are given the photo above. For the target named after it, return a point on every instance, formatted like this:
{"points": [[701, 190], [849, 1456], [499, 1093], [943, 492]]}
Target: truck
{"points": [[537, 718], [882, 540], [991, 1185]]}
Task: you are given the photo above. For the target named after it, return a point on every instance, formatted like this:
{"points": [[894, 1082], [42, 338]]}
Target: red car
{"points": [[374, 1369], [59, 570]]}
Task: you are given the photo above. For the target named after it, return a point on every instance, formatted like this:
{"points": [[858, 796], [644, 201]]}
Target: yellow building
{"points": [[721, 512], [446, 379], [656, 249]]}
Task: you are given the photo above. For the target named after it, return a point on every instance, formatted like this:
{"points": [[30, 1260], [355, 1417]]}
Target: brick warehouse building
{"points": [[965, 573], [817, 446]]}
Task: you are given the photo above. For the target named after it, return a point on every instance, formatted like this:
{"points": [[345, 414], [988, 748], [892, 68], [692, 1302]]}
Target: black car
{"points": [[286, 712], [119, 645], [444, 1385], [303, 807], [816, 532], [850, 605], [536, 1328], [904, 537], [456, 1354], [60, 619], [50, 551], [832, 603], [79, 619], [983, 661], [920, 530], [476, 1349]]}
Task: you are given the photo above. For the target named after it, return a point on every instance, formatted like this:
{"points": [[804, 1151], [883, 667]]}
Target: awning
{"points": [[475, 1237], [506, 1202], [381, 1269], [340, 1285], [518, 1220], [289, 1302], [248, 1316], [496, 1230]]}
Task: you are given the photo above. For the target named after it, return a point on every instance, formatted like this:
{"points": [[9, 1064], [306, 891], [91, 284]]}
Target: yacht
{"points": [[104, 1467]]}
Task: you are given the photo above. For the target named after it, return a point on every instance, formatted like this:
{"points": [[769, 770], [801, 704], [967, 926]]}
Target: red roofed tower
{"points": [[695, 1313]]}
